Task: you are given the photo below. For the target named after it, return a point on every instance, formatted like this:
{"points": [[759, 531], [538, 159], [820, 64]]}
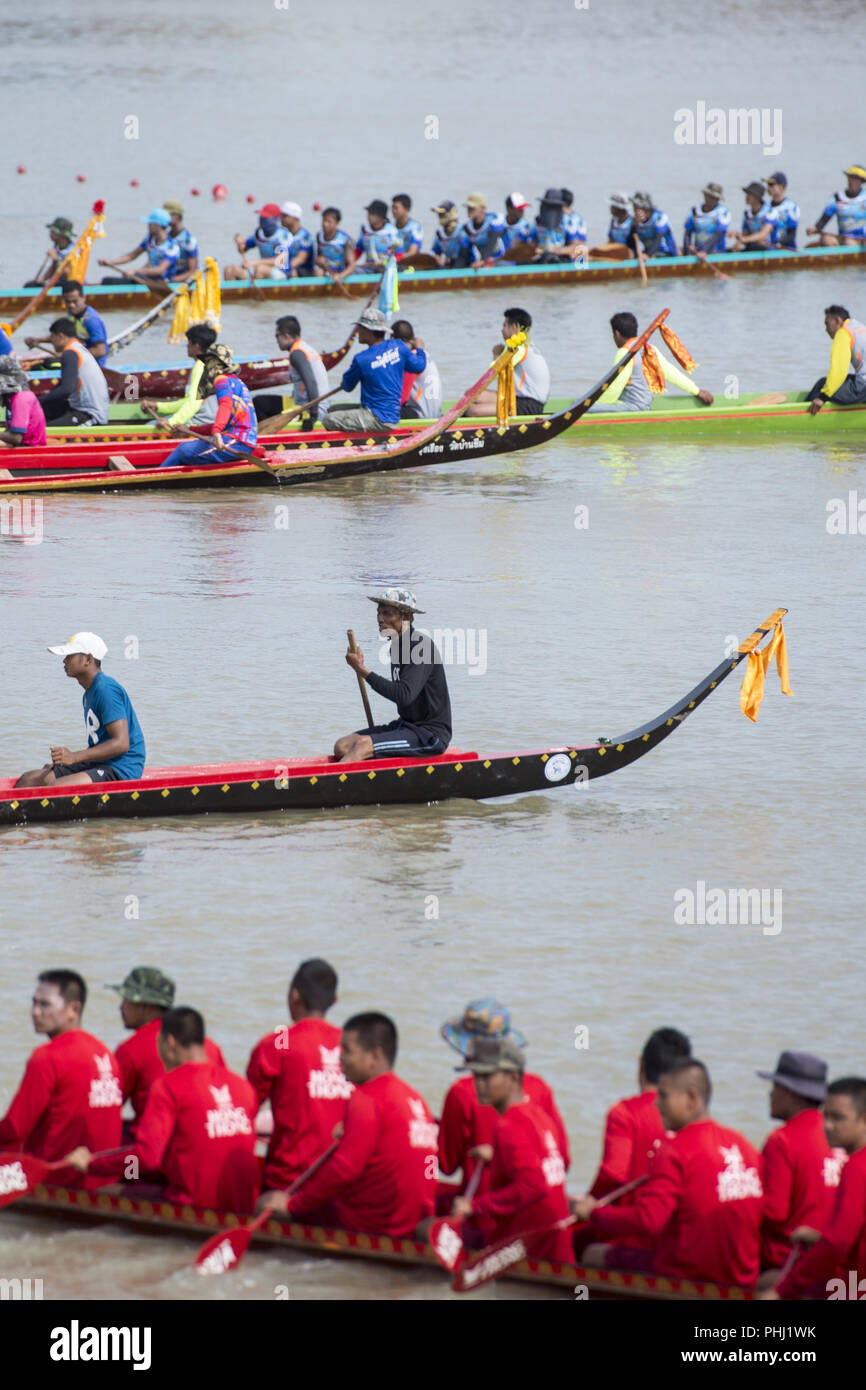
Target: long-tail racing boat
{"points": [[86, 467], [501, 276], [279, 1233], [286, 784]]}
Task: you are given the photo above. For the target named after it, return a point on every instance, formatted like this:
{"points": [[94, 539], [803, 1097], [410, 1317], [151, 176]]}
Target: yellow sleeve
{"points": [[674, 376], [840, 361], [616, 388], [191, 403]]}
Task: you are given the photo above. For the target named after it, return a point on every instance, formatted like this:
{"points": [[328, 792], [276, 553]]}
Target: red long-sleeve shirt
{"points": [[633, 1134], [197, 1130], [527, 1181], [140, 1063], [842, 1246], [298, 1070], [382, 1177], [801, 1177], [701, 1206], [466, 1123], [69, 1095]]}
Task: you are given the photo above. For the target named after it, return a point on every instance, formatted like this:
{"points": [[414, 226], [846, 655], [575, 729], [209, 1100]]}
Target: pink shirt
{"points": [[24, 414]]}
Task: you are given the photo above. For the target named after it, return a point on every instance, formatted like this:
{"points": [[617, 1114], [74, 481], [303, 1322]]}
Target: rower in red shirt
{"points": [[527, 1168], [835, 1266], [298, 1070], [197, 1126], [702, 1204], [70, 1092], [633, 1131], [466, 1124], [146, 995], [382, 1177], [801, 1171]]}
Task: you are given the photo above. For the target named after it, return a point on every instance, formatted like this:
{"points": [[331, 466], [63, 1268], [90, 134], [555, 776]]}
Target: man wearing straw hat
{"points": [[417, 687]]}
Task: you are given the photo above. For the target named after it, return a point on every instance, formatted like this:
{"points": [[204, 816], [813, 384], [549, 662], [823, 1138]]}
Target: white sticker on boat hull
{"points": [[557, 767]]}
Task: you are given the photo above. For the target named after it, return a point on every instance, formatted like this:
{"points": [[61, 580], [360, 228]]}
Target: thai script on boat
{"points": [[21, 518], [718, 907], [445, 646], [739, 125]]}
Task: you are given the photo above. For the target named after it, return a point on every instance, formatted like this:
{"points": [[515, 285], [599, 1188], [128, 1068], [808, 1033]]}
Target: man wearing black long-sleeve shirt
{"points": [[417, 687]]}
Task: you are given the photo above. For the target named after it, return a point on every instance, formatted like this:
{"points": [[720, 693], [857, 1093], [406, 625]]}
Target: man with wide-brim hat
{"points": [[62, 236], [801, 1171], [417, 687], [380, 368], [527, 1167], [25, 418], [849, 209], [146, 995], [756, 233], [706, 226]]}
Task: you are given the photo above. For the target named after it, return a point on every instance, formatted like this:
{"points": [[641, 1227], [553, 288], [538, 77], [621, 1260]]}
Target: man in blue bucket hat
{"points": [[159, 247]]}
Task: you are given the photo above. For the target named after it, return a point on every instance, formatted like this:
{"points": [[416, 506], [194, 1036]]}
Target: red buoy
{"points": [[133, 183], [79, 178], [220, 192], [317, 207], [195, 192], [250, 198], [22, 169]]}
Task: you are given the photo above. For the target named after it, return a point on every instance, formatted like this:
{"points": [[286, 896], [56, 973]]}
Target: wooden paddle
{"points": [[20, 1173], [41, 294], [258, 459], [275, 423], [719, 274], [641, 259], [228, 1247], [444, 1234], [132, 275], [353, 647], [251, 273]]}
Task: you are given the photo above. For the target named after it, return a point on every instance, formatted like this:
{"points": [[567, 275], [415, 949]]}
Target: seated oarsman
{"points": [[297, 1070], [531, 372], [382, 1176], [801, 1171], [272, 242], [410, 233], [146, 996], [786, 213], [81, 395], [573, 225], [834, 1267], [551, 237], [25, 418], [307, 377], [301, 251], [417, 687], [62, 241], [380, 368], [189, 257], [651, 227], [377, 239], [234, 432], [518, 230], [467, 1124], [160, 250], [196, 1130], [421, 397], [849, 209], [199, 403], [706, 227], [70, 1091], [446, 241], [631, 388], [89, 326], [633, 1130], [700, 1209], [845, 383], [619, 230], [115, 749], [481, 234], [526, 1190], [335, 249], [759, 221]]}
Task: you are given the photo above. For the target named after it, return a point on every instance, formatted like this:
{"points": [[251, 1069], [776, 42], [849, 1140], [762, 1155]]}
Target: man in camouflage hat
{"points": [[146, 995], [62, 236]]}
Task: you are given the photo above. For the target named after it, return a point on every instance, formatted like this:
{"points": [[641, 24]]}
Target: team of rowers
{"points": [[789, 1220], [284, 247]]}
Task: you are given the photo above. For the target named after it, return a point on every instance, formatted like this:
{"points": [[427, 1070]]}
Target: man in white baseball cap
{"points": [[115, 744], [301, 253]]}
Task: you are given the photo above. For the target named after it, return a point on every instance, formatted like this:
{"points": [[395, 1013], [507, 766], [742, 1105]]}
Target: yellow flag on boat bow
{"points": [[752, 689], [506, 402], [197, 302]]}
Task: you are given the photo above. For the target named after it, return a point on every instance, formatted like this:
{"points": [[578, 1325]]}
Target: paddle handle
{"points": [[641, 258], [621, 1191], [308, 1173], [475, 1181], [308, 405], [353, 647]]}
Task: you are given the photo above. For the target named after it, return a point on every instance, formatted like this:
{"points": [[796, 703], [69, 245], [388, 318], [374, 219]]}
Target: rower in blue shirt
{"points": [[758, 221], [378, 237], [786, 213], [188, 260], [849, 209], [272, 241], [446, 242], [706, 227], [379, 368], [409, 231], [89, 327], [652, 227], [518, 231], [481, 233], [301, 251], [160, 250], [335, 249]]}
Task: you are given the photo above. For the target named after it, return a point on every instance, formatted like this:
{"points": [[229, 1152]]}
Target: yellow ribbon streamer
{"points": [[752, 689], [198, 301], [506, 394], [180, 322]]}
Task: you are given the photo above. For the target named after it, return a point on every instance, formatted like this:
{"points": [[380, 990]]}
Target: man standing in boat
{"points": [[417, 687], [115, 743]]}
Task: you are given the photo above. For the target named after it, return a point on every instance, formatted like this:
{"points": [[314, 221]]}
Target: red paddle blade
{"points": [[447, 1242], [18, 1174], [223, 1251], [495, 1262]]}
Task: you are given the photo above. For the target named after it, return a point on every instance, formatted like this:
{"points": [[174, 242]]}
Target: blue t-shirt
{"points": [[90, 329], [755, 221], [157, 252], [334, 252], [656, 235], [105, 701], [447, 246], [516, 233], [270, 247], [5, 344], [188, 244], [484, 242], [707, 231], [377, 246], [299, 241], [410, 238], [620, 232], [786, 219], [575, 227], [380, 369], [850, 212]]}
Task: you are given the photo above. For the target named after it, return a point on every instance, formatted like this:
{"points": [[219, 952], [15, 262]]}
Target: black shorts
{"points": [[97, 772], [527, 405], [409, 411], [401, 740], [61, 413]]}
